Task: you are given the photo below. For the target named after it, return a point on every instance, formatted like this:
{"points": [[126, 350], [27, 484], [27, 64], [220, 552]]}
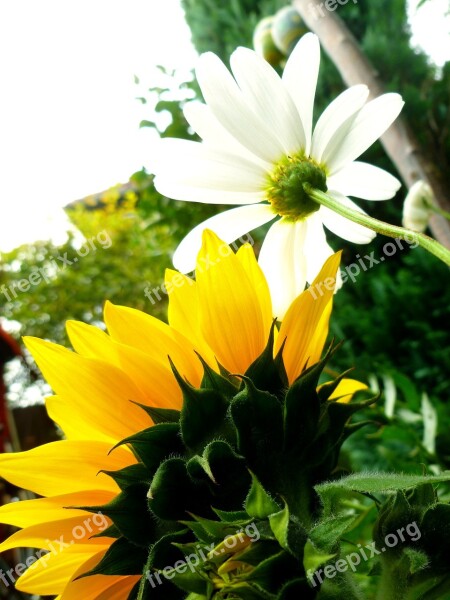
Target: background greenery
{"points": [[393, 317]]}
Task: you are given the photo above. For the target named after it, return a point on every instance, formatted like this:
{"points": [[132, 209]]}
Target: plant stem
{"points": [[393, 231]]}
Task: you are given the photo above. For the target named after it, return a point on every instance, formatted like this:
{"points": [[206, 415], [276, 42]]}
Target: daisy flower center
{"points": [[285, 186]]}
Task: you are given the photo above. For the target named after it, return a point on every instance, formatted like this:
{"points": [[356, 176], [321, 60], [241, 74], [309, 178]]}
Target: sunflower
{"points": [[259, 149], [225, 316]]}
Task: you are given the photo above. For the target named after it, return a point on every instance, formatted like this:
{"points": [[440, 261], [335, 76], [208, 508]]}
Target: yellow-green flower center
{"points": [[285, 190]]}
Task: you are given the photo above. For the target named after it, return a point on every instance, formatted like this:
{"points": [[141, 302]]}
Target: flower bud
{"points": [[418, 206]]}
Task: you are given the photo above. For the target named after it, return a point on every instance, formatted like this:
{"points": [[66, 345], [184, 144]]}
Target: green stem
{"points": [[393, 231], [439, 211]]}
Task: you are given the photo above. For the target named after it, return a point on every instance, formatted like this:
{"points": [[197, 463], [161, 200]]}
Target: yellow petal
{"points": [[320, 336], [231, 318], [64, 467], [346, 389], [90, 341], [43, 510], [100, 587], [153, 376], [183, 312], [58, 536], [247, 258], [52, 572], [305, 325], [96, 396], [152, 337], [118, 591]]}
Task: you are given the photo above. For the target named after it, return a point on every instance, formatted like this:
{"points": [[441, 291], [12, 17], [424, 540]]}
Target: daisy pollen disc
{"points": [[285, 190]]}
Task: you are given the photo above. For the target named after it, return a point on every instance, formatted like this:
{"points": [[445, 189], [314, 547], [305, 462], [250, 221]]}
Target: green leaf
{"points": [[373, 483], [259, 503]]}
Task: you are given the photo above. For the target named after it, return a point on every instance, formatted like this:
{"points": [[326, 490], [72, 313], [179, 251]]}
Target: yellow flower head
{"points": [[225, 316]]}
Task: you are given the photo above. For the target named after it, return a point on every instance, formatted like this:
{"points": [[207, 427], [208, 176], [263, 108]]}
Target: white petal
{"points": [[191, 171], [364, 181], [283, 262], [228, 105], [317, 249], [338, 116], [371, 122], [228, 225], [266, 95], [204, 123], [343, 227], [300, 78]]}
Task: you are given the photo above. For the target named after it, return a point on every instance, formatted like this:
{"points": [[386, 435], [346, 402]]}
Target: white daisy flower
{"points": [[259, 149]]}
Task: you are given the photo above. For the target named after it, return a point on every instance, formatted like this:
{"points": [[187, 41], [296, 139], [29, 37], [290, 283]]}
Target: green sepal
{"points": [[212, 380], [435, 537], [206, 530], [160, 415], [130, 475], [154, 444], [297, 589], [224, 472], [109, 532], [313, 558], [302, 410], [257, 416], [418, 560], [128, 511], [238, 517], [329, 387], [273, 572], [341, 412], [325, 534], [287, 530], [202, 414], [173, 494], [163, 553], [210, 530], [121, 558], [268, 373], [259, 504]]}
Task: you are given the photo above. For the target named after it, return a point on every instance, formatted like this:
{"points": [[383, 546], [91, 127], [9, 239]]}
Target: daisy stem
{"points": [[393, 231]]}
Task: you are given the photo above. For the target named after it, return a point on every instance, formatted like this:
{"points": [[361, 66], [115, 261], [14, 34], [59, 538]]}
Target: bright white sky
{"points": [[68, 114]]}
